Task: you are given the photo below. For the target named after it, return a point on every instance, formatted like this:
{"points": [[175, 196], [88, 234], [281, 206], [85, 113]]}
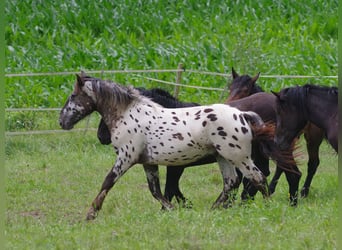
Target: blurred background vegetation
{"points": [[272, 37]]}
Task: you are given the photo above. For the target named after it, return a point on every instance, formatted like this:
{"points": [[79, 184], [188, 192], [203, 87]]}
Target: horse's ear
{"points": [[255, 78], [234, 74], [80, 82]]}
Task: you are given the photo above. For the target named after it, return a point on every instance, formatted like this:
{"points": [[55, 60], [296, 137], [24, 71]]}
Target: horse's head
{"points": [[79, 104], [290, 119], [242, 86]]}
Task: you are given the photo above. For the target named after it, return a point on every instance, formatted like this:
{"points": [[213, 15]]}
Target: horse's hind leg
{"points": [[254, 175], [230, 182], [262, 163], [314, 137], [152, 175]]}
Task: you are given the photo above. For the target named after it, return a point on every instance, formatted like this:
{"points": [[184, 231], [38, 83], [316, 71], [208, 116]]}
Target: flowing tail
{"points": [[263, 133]]}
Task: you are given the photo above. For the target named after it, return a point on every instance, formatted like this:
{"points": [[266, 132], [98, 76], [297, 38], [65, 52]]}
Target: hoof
{"points": [[304, 192], [91, 215], [293, 201], [167, 207], [227, 204], [186, 204]]}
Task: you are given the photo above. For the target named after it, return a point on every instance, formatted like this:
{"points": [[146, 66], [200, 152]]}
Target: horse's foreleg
{"points": [[314, 137], [230, 182], [275, 179], [152, 175], [114, 174], [173, 175], [293, 181]]}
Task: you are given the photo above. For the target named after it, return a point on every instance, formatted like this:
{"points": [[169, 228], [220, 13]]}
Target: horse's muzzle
{"points": [[65, 125]]}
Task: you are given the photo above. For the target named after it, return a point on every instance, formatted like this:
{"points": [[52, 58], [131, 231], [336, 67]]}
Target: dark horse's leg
{"points": [[293, 181], [152, 175], [275, 179], [293, 175], [314, 137], [173, 174]]}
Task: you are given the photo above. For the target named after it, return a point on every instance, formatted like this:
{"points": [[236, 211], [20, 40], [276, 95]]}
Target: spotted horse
{"points": [[146, 133]]}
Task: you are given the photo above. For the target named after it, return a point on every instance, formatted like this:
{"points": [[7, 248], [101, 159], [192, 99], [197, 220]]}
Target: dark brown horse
{"points": [[260, 154], [243, 86], [296, 106]]}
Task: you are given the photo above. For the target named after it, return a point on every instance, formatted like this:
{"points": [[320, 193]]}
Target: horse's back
{"points": [[261, 103], [182, 135]]}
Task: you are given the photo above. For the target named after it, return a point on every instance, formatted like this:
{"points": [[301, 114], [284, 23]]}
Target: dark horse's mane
{"points": [[298, 95], [293, 94], [164, 98]]}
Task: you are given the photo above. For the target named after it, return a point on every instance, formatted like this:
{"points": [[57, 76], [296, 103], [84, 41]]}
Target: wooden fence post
{"points": [[178, 80]]}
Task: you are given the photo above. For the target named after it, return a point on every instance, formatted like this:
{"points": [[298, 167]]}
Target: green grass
{"points": [[52, 179]]}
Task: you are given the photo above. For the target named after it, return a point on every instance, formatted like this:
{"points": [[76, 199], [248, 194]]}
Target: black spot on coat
{"points": [[208, 110], [212, 117]]}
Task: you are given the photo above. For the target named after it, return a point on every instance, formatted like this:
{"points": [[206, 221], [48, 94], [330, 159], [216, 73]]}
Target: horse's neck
{"points": [[109, 113], [319, 110]]}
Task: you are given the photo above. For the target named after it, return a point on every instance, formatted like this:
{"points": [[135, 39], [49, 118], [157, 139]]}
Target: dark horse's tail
{"points": [[263, 133]]}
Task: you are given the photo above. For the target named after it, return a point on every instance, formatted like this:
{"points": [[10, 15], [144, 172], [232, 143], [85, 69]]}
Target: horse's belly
{"points": [[178, 155]]}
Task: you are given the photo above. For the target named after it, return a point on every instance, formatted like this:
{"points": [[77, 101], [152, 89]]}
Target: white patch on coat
{"points": [[88, 89], [71, 108]]}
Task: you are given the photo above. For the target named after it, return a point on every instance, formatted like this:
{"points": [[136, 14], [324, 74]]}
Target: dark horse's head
{"points": [[290, 115], [79, 104], [242, 86]]}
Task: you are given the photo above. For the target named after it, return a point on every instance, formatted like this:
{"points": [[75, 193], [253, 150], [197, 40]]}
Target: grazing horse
{"points": [[144, 132], [243, 86], [309, 103]]}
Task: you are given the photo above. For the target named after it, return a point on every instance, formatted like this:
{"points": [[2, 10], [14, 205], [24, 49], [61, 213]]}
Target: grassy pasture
{"points": [[52, 179]]}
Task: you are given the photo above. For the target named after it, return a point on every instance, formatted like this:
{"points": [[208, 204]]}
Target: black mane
{"points": [[298, 95], [300, 92], [164, 98]]}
